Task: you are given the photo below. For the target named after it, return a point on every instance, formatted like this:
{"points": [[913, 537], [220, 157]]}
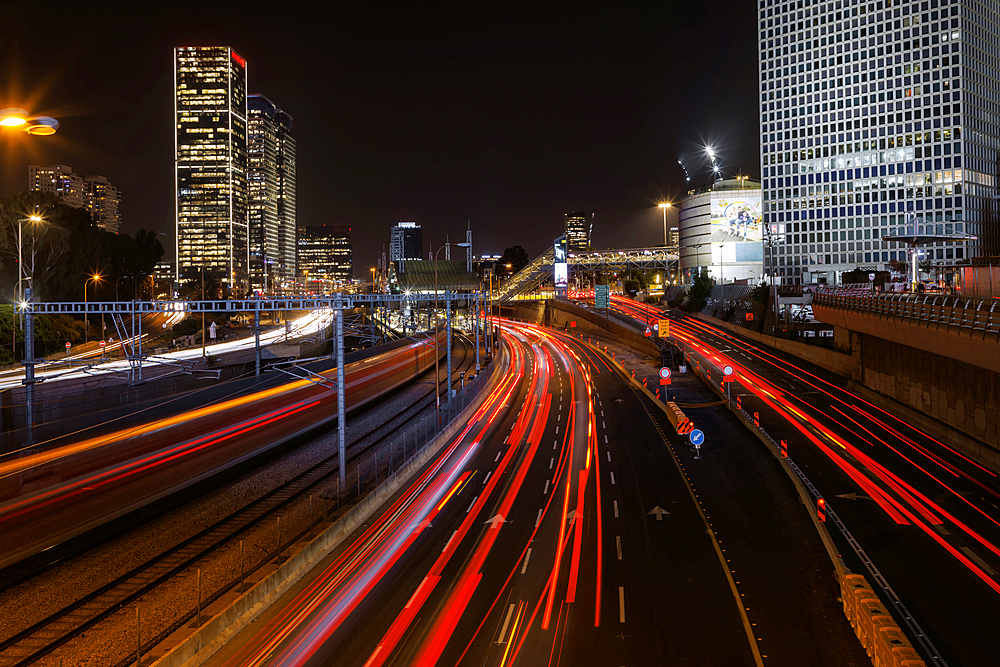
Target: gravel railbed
{"points": [[113, 639]]}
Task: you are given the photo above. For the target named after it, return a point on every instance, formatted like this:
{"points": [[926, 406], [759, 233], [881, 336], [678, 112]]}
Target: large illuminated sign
{"points": [[560, 269], [736, 218]]}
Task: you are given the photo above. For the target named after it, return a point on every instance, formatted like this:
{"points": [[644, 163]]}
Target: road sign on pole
{"points": [[664, 328], [602, 296], [727, 374], [697, 438], [664, 375]]}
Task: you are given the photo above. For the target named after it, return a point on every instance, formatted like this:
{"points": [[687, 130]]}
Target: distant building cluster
{"points": [[324, 256], [93, 193], [236, 175]]}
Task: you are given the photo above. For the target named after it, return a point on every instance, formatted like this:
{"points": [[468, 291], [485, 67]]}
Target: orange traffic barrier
{"points": [[784, 449], [887, 640], [821, 510], [643, 382], [678, 419]]}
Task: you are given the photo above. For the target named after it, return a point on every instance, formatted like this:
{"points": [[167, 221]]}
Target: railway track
{"points": [[48, 634]]}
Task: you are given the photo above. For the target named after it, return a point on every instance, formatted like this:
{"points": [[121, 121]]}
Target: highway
{"points": [[556, 528], [926, 515]]}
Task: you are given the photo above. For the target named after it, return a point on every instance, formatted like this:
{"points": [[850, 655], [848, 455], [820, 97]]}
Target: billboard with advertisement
{"points": [[560, 268], [736, 218]]}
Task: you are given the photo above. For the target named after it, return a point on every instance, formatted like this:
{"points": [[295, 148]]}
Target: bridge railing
{"points": [[954, 311]]}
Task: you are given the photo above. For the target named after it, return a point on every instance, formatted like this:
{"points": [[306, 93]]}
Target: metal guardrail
{"points": [[953, 311]]}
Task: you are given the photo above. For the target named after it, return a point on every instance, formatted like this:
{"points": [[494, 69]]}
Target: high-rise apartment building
{"points": [[325, 255], [210, 111], [577, 234], [406, 241], [271, 193], [93, 193], [873, 114]]}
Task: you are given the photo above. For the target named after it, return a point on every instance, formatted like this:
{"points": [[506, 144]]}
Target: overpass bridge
{"points": [[592, 261]]}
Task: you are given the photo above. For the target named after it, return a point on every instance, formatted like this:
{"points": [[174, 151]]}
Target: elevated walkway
{"points": [[540, 269]]}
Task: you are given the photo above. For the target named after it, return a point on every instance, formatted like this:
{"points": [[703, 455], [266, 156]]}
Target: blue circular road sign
{"points": [[697, 437]]}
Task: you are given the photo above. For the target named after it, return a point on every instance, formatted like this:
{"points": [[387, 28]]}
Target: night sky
{"points": [[503, 114]]}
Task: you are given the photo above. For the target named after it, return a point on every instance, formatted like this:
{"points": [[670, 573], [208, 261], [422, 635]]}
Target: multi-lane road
{"points": [[557, 528], [925, 514]]}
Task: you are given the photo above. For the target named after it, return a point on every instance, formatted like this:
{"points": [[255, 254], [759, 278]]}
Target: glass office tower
{"points": [[271, 185], [210, 152], [875, 115]]}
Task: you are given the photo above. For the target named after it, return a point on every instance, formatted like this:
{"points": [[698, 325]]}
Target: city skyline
{"points": [[483, 133]]}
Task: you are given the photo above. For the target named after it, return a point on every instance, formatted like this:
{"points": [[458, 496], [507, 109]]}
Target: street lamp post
{"points": [[96, 278], [664, 206], [437, 391]]}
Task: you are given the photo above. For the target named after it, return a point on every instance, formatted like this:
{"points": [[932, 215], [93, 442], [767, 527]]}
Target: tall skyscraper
{"points": [[406, 241], [577, 234], [210, 152], [325, 255], [93, 193], [271, 193], [873, 114]]}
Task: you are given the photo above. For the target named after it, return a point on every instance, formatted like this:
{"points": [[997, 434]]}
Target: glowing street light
{"points": [[96, 278], [19, 118], [664, 205]]}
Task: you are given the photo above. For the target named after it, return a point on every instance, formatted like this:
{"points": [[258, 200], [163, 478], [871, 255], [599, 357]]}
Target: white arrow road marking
{"points": [[658, 512]]}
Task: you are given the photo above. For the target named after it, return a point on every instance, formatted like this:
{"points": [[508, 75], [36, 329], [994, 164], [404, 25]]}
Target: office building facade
{"points": [[325, 258], [406, 241], [270, 194], [720, 232], [875, 115], [210, 123], [577, 232], [93, 193]]}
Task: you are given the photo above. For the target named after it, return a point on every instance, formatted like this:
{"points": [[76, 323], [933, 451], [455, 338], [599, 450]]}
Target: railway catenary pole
{"points": [[447, 326], [341, 388], [29, 370], [256, 338]]}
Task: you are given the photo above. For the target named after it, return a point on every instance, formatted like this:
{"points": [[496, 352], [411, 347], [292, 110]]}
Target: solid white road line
{"points": [[526, 557]]}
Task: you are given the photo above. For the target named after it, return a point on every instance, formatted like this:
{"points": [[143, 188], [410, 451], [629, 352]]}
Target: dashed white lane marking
{"points": [[602, 413], [558, 418], [616, 509], [506, 622], [941, 529], [525, 566], [609, 455], [612, 478], [546, 491], [471, 504], [557, 430], [603, 425], [621, 604], [978, 561], [555, 444], [551, 462], [449, 541], [538, 519], [498, 457], [487, 477], [618, 544], [605, 439], [560, 406]]}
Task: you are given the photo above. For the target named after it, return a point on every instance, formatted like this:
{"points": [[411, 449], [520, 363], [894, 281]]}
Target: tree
{"points": [[697, 295], [516, 256]]}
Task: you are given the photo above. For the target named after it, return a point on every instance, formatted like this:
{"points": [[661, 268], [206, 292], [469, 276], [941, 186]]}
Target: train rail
{"points": [[46, 635]]}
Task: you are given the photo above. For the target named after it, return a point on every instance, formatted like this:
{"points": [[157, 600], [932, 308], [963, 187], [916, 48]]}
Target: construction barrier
{"points": [[883, 640], [678, 420]]}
